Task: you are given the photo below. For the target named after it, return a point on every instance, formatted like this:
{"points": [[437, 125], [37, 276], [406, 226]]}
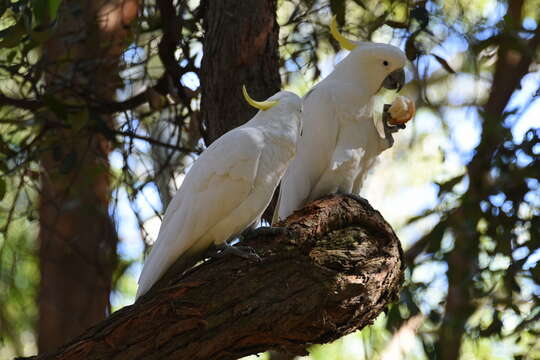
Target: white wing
{"points": [[314, 150], [218, 182]]}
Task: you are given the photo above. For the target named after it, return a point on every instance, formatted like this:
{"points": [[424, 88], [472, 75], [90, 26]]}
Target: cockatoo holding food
{"points": [[227, 188], [340, 141]]}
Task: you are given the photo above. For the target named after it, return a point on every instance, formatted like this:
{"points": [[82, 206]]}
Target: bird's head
{"points": [[385, 63], [283, 101]]}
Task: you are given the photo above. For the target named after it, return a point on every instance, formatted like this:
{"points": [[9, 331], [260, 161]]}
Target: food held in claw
{"points": [[401, 110]]}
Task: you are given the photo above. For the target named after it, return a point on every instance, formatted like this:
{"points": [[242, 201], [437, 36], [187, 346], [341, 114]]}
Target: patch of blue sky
{"points": [[142, 145], [525, 98], [523, 159], [433, 274], [532, 260], [494, 12], [520, 253], [451, 46], [426, 121], [464, 125], [130, 245], [418, 198], [190, 80], [497, 199], [294, 66], [486, 33], [528, 287], [134, 54], [533, 196], [116, 160], [409, 234], [529, 23], [148, 201], [449, 50]]}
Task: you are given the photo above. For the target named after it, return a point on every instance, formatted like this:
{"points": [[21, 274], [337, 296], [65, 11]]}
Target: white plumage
{"points": [[340, 141], [227, 188]]}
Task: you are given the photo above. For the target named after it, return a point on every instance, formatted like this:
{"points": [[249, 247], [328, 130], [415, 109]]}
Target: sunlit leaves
{"points": [[13, 35], [35, 20]]}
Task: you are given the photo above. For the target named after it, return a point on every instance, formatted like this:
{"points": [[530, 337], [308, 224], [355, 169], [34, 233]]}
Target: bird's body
{"points": [[227, 188], [340, 141]]}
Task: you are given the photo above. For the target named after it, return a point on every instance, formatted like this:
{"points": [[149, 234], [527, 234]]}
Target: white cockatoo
{"points": [[340, 140], [227, 188]]}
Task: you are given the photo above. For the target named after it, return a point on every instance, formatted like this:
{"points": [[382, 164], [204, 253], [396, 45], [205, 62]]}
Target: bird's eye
{"points": [[385, 63]]}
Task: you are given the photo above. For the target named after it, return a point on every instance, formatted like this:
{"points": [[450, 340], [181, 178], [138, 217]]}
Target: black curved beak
{"points": [[395, 80]]}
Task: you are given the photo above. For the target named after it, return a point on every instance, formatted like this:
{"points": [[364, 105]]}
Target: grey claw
{"points": [[390, 129], [264, 231], [360, 199], [245, 252]]}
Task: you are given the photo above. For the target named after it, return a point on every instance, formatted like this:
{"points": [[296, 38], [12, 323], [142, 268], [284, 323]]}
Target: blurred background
{"points": [[105, 104]]}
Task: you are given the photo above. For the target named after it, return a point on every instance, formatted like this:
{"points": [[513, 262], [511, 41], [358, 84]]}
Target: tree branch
{"points": [[26, 104], [338, 268]]}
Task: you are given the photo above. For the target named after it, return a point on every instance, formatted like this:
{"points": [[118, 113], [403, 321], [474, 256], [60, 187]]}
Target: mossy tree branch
{"points": [[335, 272]]}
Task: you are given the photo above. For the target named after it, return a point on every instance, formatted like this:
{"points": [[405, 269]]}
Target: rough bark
{"points": [[240, 48], [77, 237], [334, 271]]}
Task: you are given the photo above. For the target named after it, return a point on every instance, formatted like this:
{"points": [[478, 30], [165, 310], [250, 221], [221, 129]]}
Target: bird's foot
{"points": [[245, 252], [390, 129], [263, 231], [360, 199]]}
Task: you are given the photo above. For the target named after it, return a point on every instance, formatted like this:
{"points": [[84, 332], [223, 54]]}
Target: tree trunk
{"points": [[334, 271], [240, 48], [77, 237]]}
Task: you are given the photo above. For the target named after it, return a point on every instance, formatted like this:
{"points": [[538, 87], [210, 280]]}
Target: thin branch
{"points": [[26, 104], [150, 140]]}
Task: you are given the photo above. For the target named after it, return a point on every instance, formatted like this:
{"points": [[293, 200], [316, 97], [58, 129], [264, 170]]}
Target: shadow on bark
{"points": [[339, 267]]}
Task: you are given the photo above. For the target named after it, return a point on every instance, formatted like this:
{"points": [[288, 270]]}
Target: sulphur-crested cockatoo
{"points": [[340, 140], [227, 188]]}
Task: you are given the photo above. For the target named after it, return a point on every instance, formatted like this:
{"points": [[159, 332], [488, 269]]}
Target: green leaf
{"points": [[13, 35], [45, 11], [2, 189]]}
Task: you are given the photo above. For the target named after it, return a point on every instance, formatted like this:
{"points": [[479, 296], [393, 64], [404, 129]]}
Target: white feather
{"points": [[339, 142], [228, 187]]}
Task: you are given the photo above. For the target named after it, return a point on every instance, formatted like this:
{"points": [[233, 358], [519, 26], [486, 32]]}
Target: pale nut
{"points": [[401, 110]]}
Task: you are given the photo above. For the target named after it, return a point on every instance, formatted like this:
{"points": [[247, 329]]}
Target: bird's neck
{"points": [[278, 124]]}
